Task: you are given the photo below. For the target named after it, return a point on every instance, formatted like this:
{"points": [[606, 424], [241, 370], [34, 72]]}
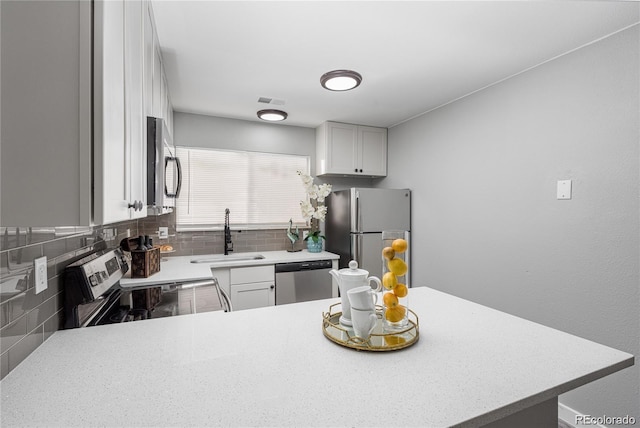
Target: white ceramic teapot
{"points": [[348, 279]]}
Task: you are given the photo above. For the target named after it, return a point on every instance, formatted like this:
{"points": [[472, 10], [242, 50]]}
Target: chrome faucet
{"points": [[228, 245]]}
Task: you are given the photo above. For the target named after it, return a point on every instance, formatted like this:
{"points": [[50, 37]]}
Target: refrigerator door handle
{"points": [[358, 213], [357, 248]]}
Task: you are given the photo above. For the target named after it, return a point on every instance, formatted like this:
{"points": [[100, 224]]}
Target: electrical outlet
{"points": [[40, 267], [163, 232]]}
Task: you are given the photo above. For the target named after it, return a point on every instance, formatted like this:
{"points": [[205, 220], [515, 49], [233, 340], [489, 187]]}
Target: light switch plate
{"points": [[564, 189], [40, 267]]}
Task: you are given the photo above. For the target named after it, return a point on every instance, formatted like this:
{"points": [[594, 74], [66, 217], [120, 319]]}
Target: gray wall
{"points": [[194, 130], [486, 223]]}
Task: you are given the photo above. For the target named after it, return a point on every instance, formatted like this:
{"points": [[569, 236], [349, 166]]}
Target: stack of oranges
{"points": [[397, 267]]}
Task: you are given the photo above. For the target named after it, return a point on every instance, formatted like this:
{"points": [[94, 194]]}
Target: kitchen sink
{"points": [[228, 258]]}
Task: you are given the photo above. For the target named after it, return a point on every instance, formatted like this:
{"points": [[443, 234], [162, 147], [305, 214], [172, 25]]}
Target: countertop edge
{"points": [[550, 393]]}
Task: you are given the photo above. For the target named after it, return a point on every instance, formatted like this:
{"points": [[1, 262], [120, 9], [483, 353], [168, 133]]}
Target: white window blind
{"points": [[261, 190]]}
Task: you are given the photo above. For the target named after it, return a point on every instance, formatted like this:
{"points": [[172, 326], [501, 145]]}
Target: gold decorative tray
{"points": [[379, 340]]}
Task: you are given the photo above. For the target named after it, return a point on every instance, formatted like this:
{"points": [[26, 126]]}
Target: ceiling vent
{"points": [[273, 101]]}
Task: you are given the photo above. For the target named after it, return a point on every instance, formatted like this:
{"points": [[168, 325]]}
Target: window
{"points": [[261, 190]]}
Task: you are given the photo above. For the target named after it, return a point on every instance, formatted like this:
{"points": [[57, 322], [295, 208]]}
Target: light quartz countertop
{"points": [[273, 367], [180, 268]]}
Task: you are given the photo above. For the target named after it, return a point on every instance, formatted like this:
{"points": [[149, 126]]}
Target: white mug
{"points": [[362, 298], [364, 321]]}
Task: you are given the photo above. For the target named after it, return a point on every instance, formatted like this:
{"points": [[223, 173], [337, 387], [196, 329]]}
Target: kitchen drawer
{"points": [[245, 275]]}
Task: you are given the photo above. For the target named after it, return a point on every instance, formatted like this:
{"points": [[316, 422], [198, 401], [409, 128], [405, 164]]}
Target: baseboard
{"points": [[568, 416]]}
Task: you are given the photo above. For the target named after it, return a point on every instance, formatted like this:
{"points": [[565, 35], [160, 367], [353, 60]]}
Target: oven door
{"points": [[110, 310]]}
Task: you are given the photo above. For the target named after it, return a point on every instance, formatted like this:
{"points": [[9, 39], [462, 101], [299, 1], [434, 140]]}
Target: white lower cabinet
{"points": [[253, 295], [248, 287]]}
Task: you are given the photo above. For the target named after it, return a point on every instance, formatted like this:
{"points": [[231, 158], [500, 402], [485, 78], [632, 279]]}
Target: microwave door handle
{"points": [[179, 178], [179, 183]]}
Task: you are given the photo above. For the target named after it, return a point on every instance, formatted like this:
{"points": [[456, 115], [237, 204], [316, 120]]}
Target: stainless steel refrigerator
{"points": [[355, 221]]}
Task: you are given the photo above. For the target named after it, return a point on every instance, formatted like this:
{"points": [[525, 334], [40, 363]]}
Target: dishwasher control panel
{"points": [[300, 266]]}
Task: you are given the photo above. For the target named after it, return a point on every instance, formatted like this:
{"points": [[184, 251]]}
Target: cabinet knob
{"points": [[272, 286], [361, 170], [355, 170], [136, 205]]}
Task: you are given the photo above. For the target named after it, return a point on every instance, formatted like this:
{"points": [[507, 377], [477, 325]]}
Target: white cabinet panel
{"points": [[372, 151], [119, 127], [341, 147], [135, 123], [253, 295], [252, 274], [252, 287], [46, 113], [111, 158]]}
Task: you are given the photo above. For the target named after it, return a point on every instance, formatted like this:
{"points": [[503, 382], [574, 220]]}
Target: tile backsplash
{"points": [[212, 242], [28, 319]]}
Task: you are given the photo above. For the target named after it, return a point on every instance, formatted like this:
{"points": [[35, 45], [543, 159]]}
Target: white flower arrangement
{"points": [[313, 209]]}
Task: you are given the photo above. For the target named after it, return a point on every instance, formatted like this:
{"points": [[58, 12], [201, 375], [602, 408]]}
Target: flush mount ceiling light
{"points": [[340, 80], [272, 115]]}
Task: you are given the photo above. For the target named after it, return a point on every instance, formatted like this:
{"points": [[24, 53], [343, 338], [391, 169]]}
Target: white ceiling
{"points": [[414, 56]]}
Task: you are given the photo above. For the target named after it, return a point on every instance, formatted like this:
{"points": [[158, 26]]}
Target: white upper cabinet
{"points": [[119, 125], [158, 98], [351, 150], [46, 113], [73, 125]]}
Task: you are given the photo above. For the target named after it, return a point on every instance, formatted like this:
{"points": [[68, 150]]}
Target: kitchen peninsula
{"points": [[184, 268], [272, 367]]}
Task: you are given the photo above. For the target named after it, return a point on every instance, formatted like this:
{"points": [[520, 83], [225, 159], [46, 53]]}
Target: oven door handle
{"points": [[224, 297], [225, 301]]}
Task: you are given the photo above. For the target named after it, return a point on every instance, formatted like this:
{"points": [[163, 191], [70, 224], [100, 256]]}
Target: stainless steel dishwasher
{"points": [[303, 281]]}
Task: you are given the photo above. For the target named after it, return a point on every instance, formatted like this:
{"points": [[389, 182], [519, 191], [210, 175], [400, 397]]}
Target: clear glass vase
{"points": [[395, 291]]}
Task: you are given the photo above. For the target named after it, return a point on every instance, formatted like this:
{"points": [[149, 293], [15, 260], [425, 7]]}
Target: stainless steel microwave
{"points": [[164, 174]]}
